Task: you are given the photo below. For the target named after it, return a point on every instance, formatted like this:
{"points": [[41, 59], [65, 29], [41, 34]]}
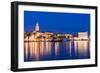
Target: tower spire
{"points": [[37, 27]]}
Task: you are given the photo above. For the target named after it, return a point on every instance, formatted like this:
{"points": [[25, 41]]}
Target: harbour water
{"points": [[65, 50]]}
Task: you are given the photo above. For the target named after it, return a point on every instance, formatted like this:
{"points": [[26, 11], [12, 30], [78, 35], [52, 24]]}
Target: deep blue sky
{"points": [[57, 22]]}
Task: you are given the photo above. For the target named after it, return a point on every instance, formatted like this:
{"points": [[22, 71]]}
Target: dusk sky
{"points": [[57, 22]]}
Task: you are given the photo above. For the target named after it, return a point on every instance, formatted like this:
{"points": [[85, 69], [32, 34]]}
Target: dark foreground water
{"points": [[66, 50]]}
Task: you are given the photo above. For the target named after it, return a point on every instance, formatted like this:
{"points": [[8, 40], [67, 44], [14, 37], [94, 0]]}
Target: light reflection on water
{"points": [[41, 51]]}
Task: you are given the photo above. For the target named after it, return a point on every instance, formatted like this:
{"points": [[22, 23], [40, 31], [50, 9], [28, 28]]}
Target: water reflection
{"points": [[39, 51], [82, 48]]}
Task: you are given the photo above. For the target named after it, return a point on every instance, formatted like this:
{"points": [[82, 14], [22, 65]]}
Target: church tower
{"points": [[37, 27]]}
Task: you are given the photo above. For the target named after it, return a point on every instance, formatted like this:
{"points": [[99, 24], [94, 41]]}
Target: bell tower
{"points": [[37, 27]]}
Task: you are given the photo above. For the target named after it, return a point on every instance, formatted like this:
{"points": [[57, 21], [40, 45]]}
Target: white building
{"points": [[83, 35]]}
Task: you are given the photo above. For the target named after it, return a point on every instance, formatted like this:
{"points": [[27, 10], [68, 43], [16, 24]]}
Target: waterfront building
{"points": [[36, 35], [82, 36]]}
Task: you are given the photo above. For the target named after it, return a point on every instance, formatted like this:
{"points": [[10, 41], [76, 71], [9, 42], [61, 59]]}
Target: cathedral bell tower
{"points": [[37, 27]]}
